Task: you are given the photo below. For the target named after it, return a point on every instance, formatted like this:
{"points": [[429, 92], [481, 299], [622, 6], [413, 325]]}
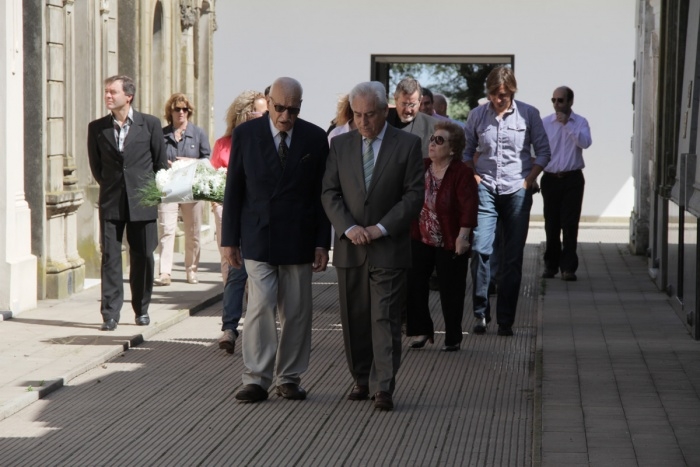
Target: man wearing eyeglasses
{"points": [[372, 190], [562, 184], [407, 115], [273, 220]]}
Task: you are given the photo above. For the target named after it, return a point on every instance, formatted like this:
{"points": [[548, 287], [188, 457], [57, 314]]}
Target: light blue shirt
{"points": [[504, 145]]}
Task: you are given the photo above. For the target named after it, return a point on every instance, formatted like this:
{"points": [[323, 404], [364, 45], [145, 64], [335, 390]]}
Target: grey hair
{"points": [[373, 89], [408, 86]]}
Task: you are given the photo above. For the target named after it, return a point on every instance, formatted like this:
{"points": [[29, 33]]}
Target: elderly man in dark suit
{"points": [[273, 219], [372, 190], [125, 149], [407, 115]]}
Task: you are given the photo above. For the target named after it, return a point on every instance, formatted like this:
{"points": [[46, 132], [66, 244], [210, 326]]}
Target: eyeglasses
{"points": [[557, 99], [282, 108], [410, 105], [181, 109], [439, 140]]}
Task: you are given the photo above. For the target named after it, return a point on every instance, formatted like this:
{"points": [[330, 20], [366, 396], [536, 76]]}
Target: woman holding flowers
{"points": [[248, 105], [183, 141]]}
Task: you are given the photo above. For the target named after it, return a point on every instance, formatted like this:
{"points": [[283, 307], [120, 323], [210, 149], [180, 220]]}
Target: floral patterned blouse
{"points": [[430, 231]]}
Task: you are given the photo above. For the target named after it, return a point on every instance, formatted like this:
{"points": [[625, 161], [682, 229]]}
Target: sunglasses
{"points": [[560, 100], [181, 109], [281, 108], [439, 140]]}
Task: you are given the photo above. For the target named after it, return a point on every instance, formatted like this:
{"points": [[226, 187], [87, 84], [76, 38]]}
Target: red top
{"points": [[221, 152], [456, 204]]}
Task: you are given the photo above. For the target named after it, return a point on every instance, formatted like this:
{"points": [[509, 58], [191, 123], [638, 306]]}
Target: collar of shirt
{"points": [[129, 118], [511, 110], [276, 134], [377, 143]]}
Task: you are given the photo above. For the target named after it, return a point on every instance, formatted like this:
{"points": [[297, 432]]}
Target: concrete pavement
{"points": [[600, 372]]}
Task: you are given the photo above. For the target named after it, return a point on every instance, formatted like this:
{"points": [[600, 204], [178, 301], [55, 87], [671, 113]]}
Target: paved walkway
{"points": [[600, 372]]}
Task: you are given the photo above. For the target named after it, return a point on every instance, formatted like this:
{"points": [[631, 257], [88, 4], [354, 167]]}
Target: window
{"points": [[460, 78]]}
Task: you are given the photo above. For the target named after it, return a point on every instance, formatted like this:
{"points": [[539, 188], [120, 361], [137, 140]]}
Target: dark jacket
{"points": [[456, 203], [276, 216], [122, 176]]}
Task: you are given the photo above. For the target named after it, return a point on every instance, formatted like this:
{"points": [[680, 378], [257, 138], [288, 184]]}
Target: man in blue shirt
{"points": [[499, 137]]}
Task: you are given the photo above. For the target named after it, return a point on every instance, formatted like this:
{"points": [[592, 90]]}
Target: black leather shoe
{"points": [[291, 391], [359, 393], [420, 341], [251, 393], [109, 325], [568, 276], [505, 331], [450, 348], [382, 401], [143, 320]]}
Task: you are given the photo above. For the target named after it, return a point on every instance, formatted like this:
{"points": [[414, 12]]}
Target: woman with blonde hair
{"points": [[183, 140], [247, 106]]}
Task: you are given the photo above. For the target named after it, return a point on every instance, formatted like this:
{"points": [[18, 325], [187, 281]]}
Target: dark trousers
{"points": [[452, 278], [143, 240], [562, 198], [371, 300]]}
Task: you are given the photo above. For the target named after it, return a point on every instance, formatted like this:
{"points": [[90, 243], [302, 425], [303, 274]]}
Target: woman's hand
{"points": [[462, 245]]}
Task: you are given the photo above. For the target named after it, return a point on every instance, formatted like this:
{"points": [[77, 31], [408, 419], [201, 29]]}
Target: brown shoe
{"points": [[382, 401], [162, 281], [251, 393], [358, 393], [291, 391], [227, 341]]}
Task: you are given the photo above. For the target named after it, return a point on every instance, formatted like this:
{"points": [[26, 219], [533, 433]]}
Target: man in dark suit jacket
{"points": [[125, 150], [407, 115], [371, 202], [273, 219]]}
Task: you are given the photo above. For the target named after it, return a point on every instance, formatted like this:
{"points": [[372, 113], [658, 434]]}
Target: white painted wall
{"points": [[327, 45]]}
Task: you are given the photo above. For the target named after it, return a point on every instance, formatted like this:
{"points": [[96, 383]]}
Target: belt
{"points": [[562, 174]]}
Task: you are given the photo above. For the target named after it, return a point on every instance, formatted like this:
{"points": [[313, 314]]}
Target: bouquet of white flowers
{"points": [[186, 181]]}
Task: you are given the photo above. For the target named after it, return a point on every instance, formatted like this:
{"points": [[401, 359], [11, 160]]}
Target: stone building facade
{"points": [[60, 53]]}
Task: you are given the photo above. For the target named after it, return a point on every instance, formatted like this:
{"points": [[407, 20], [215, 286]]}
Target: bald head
{"points": [[284, 102], [440, 104]]}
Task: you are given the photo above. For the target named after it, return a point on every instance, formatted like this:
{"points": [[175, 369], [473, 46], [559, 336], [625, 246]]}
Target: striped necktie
{"points": [[368, 161]]}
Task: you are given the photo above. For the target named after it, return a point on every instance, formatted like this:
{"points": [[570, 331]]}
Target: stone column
{"points": [[18, 267], [65, 270]]}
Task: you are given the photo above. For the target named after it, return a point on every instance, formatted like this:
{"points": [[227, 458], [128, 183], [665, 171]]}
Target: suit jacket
{"points": [[394, 198], [275, 215], [122, 176], [422, 126]]}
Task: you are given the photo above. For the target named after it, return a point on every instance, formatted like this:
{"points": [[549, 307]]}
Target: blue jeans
{"points": [[513, 213], [234, 289]]}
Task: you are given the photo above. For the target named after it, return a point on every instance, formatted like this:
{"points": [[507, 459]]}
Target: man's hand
{"points": [[359, 236], [320, 260], [233, 256], [562, 118], [374, 232]]}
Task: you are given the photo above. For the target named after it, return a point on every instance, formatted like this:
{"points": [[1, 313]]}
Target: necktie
{"points": [[368, 161], [283, 148]]}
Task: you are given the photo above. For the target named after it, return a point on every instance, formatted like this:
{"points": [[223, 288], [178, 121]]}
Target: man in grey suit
{"points": [[372, 190], [407, 115], [125, 149]]}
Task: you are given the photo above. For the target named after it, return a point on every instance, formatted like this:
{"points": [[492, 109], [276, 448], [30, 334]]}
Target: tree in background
{"points": [[461, 83]]}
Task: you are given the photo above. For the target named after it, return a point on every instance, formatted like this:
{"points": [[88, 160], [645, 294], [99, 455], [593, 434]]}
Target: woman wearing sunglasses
{"points": [[183, 140], [247, 106], [440, 238]]}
